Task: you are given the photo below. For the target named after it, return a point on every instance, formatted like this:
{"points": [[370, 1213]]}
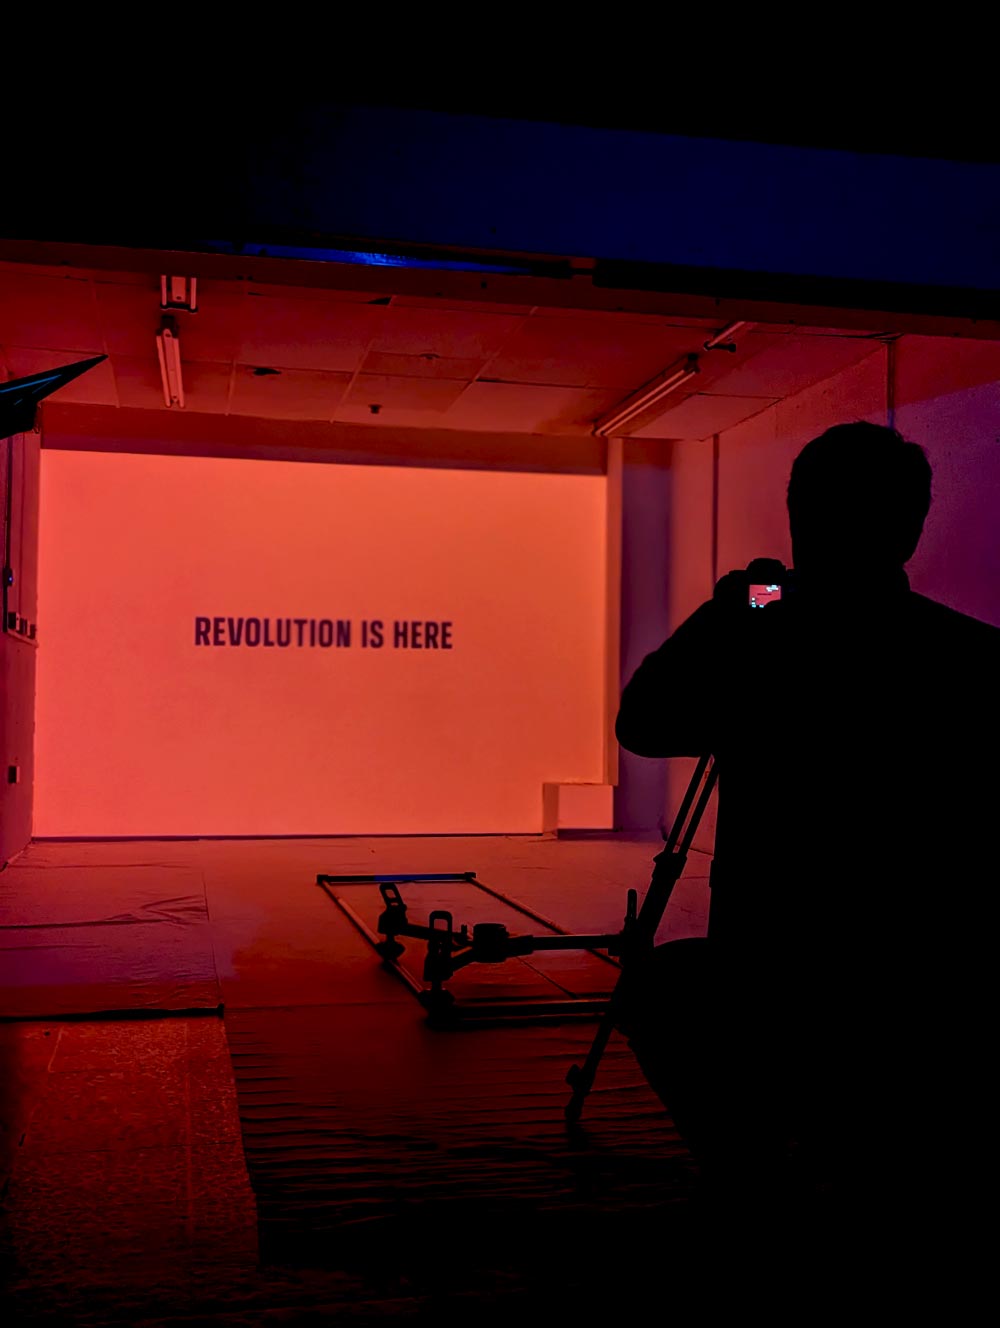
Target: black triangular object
{"points": [[19, 397]]}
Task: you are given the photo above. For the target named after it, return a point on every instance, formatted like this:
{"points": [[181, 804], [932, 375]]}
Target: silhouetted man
{"points": [[840, 1010]]}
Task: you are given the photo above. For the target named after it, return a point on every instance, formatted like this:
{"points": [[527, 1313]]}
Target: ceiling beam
{"points": [[73, 427], [670, 293]]}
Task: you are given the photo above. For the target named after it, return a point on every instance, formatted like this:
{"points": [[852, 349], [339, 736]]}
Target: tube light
{"points": [[722, 340], [624, 417], [168, 347]]}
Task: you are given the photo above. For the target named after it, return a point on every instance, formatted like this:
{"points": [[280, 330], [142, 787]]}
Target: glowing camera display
{"points": [[761, 595]]}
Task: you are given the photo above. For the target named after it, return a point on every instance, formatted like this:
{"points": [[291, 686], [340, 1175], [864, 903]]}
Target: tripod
{"points": [[667, 868]]}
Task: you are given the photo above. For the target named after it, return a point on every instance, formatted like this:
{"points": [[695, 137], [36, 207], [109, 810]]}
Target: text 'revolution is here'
{"points": [[324, 633]]}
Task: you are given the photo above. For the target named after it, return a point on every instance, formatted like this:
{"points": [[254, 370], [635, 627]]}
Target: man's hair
{"points": [[863, 487]]}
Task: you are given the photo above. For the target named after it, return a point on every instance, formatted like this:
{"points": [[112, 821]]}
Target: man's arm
{"points": [[668, 707]]}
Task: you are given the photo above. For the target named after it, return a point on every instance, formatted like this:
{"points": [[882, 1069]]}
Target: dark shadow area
{"points": [[440, 1153], [829, 1040]]}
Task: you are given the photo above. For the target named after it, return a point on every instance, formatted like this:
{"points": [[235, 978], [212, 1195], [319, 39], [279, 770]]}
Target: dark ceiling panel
{"points": [[296, 333], [572, 352], [427, 394], [291, 394], [456, 334]]}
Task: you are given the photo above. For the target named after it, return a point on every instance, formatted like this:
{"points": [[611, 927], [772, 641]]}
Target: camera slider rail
{"points": [[450, 949]]}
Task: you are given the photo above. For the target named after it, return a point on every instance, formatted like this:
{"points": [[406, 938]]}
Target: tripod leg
{"points": [[581, 1077], [666, 873]]}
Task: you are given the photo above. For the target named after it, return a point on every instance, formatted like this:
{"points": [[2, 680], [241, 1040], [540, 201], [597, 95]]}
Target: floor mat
{"points": [[366, 1131], [90, 932]]}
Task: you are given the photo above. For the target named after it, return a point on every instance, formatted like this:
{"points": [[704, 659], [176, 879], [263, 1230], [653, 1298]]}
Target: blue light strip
{"points": [[361, 258]]}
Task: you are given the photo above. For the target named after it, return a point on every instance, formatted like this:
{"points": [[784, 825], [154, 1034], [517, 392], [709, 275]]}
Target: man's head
{"points": [[857, 498]]}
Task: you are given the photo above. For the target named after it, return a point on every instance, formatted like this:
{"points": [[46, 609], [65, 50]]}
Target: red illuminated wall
{"points": [[755, 459], [141, 731], [17, 687], [17, 654], [948, 400], [947, 397]]}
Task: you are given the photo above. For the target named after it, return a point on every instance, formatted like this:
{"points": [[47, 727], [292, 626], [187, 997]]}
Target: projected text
{"points": [[324, 633]]}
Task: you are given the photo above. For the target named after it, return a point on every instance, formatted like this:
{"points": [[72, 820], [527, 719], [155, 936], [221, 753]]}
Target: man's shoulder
{"points": [[943, 618]]}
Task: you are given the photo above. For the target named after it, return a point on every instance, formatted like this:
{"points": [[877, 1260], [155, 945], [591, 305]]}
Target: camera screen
{"points": [[761, 595]]}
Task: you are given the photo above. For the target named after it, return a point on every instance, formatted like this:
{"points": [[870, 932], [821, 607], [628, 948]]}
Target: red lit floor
{"points": [[319, 1148]]}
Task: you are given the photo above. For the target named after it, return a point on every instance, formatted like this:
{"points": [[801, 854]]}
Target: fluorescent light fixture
{"points": [[724, 340], [168, 347], [632, 411]]}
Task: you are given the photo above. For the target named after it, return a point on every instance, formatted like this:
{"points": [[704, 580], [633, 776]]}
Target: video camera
{"points": [[763, 581]]}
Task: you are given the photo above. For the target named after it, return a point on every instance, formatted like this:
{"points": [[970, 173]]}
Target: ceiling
{"points": [[297, 353]]}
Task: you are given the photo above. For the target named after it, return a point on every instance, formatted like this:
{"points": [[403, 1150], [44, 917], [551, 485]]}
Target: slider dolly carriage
{"points": [[450, 950]]}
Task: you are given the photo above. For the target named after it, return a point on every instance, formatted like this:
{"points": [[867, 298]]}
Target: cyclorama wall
{"points": [[237, 647], [944, 394]]}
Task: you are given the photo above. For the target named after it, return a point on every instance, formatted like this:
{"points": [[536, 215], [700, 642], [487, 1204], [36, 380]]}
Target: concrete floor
{"points": [[127, 1194], [266, 1131], [126, 1189]]}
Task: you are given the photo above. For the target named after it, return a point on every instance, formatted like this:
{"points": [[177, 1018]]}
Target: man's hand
{"points": [[732, 590]]}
